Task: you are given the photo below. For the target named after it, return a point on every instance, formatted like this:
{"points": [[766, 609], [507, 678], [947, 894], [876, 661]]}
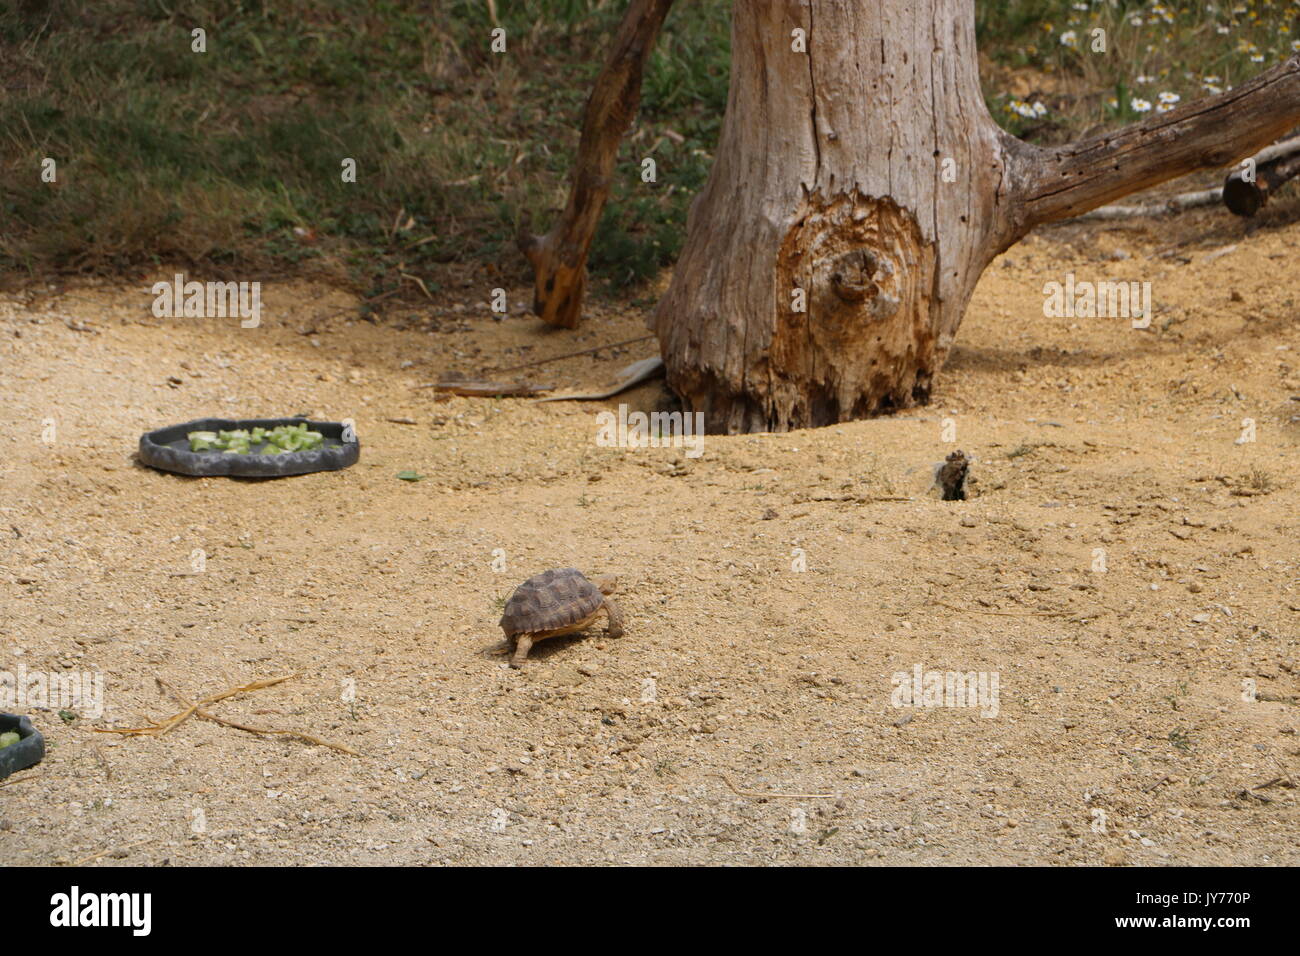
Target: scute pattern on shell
{"points": [[549, 600]]}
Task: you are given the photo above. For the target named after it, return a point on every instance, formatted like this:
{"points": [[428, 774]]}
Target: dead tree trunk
{"points": [[860, 188], [559, 259]]}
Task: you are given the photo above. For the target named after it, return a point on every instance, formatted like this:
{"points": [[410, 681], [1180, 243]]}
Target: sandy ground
{"points": [[747, 716]]}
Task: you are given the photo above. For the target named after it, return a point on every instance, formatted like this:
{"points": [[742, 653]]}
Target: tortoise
{"points": [[555, 602]]}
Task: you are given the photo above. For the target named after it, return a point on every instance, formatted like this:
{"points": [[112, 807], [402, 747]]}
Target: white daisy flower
{"points": [[1139, 105]]}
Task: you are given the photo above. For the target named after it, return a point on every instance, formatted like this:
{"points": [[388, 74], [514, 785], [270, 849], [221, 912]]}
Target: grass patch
{"points": [[231, 159], [228, 161], [1259, 481]]}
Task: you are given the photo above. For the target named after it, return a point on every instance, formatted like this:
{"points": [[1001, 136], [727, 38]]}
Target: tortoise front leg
{"points": [[523, 644], [614, 615]]}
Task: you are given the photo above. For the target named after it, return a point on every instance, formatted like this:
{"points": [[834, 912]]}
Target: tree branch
{"points": [[559, 258], [1064, 181], [1245, 197]]}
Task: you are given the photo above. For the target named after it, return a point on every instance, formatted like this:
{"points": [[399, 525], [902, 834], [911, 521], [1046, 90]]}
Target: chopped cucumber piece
{"points": [[266, 441]]}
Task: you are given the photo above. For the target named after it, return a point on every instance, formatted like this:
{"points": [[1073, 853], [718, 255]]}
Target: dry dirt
{"points": [[1124, 732]]}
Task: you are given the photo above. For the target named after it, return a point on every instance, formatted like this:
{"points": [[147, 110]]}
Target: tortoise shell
{"points": [[551, 600]]}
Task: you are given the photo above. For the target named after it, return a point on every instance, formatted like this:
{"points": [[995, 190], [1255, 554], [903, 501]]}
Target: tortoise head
{"points": [[606, 583]]}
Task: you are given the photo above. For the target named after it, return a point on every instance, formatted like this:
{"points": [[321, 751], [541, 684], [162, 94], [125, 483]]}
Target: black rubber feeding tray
{"points": [[169, 449], [29, 749]]}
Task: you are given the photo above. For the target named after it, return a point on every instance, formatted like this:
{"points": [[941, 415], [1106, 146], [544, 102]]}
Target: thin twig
{"points": [[857, 499], [470, 389], [307, 738], [184, 715], [159, 728], [754, 793], [10, 783], [122, 849], [1023, 613], [418, 281], [198, 711], [559, 358]]}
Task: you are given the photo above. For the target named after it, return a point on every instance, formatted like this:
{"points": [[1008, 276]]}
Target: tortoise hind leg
{"points": [[523, 644], [614, 615]]}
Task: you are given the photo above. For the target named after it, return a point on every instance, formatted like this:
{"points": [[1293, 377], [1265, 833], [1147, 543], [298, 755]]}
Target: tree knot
{"points": [[857, 277]]}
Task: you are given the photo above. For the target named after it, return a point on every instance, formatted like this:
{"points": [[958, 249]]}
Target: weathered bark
{"points": [[867, 176], [559, 259]]}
